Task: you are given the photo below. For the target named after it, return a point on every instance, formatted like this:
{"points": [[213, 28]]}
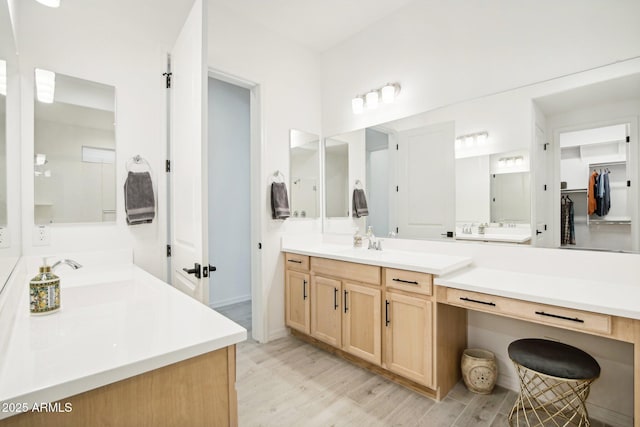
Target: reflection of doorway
{"points": [[229, 201], [600, 215], [377, 167]]}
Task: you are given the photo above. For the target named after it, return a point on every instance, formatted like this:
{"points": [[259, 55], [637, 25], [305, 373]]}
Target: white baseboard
{"points": [[230, 301], [280, 333], [607, 416]]}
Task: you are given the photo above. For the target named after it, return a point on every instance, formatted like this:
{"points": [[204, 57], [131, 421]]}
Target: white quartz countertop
{"points": [[114, 323], [424, 262], [597, 296]]}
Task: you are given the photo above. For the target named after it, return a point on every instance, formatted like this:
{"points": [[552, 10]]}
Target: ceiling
{"points": [[315, 24]]}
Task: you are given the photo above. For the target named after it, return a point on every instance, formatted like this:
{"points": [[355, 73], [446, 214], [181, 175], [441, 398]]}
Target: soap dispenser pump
{"points": [[44, 291]]}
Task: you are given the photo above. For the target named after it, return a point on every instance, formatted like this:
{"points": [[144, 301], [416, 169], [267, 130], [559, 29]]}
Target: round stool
{"points": [[555, 379]]}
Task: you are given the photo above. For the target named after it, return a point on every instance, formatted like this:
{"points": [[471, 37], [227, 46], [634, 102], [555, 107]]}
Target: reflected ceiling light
{"points": [[45, 85], [370, 100], [3, 77], [50, 3], [519, 160], [472, 139], [357, 105], [39, 159]]}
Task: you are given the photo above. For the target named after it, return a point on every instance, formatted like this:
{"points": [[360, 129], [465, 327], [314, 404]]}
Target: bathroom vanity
{"points": [[125, 348], [403, 313]]}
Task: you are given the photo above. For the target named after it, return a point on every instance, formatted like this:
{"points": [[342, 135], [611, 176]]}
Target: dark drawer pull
{"points": [[557, 316], [478, 302], [411, 282], [335, 298], [304, 289], [386, 313], [297, 261]]}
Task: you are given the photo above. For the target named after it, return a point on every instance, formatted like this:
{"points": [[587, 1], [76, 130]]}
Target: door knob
{"points": [[207, 269], [195, 270]]}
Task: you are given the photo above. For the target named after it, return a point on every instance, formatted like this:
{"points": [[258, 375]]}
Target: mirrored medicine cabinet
{"points": [[74, 150]]}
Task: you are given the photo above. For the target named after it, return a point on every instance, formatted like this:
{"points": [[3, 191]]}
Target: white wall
{"points": [[473, 190], [289, 80], [229, 193], [445, 52], [104, 44]]}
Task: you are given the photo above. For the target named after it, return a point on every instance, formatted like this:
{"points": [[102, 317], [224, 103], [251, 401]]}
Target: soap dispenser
{"points": [[44, 291]]}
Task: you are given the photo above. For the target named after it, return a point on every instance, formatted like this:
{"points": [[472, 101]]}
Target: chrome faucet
{"points": [[71, 263]]}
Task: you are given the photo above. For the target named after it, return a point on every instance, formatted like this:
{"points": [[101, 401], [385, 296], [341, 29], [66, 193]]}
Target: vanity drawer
{"points": [[296, 262], [562, 317], [410, 281], [347, 270]]}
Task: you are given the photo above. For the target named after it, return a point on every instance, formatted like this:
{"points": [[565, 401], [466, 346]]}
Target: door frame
{"points": [[258, 312], [633, 169]]}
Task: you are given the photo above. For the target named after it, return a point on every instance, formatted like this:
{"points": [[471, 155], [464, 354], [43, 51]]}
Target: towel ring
{"points": [[278, 177], [138, 160], [358, 185]]}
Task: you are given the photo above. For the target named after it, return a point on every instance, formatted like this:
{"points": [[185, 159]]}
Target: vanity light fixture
{"points": [[510, 161], [473, 139], [3, 77], [50, 3], [45, 85], [387, 94]]}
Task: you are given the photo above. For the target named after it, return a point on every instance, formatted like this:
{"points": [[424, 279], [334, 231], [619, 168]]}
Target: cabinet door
{"points": [[361, 333], [409, 337], [326, 305], [297, 300]]}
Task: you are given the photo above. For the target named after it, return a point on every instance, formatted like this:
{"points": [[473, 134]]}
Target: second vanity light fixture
{"points": [[477, 139], [371, 99]]}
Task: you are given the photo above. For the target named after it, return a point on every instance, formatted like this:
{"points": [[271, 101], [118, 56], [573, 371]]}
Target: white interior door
{"points": [[426, 181], [188, 149]]}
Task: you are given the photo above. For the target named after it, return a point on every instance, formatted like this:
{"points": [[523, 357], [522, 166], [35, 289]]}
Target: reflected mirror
{"points": [[336, 173], [304, 156], [510, 198], [74, 150]]}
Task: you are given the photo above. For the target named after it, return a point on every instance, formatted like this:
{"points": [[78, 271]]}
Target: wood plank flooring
{"points": [[287, 382]]}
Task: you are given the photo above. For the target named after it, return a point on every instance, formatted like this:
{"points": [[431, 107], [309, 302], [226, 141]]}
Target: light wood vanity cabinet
{"points": [[408, 325], [297, 301], [386, 318], [346, 306]]}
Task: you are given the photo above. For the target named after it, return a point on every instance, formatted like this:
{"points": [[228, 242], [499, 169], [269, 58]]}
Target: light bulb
{"points": [[388, 93], [372, 99], [45, 85], [501, 163], [481, 138], [468, 141], [519, 160], [510, 161], [50, 3], [458, 143], [357, 105]]}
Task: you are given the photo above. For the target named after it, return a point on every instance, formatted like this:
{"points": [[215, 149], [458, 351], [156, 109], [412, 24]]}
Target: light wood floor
{"points": [[290, 383]]}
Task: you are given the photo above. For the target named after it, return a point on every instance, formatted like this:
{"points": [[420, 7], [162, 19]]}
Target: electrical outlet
{"points": [[41, 236], [4, 238]]}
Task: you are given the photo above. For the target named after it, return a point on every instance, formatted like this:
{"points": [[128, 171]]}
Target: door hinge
{"points": [[168, 166], [259, 245], [396, 147], [628, 139], [168, 251], [545, 227], [544, 146], [167, 79], [397, 230], [545, 187], [628, 183], [397, 188]]}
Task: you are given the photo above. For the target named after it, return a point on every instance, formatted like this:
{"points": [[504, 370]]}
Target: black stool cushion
{"points": [[554, 358]]}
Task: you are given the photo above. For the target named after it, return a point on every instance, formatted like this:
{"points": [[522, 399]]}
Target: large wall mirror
{"points": [[304, 157], [499, 168], [74, 150], [10, 245]]}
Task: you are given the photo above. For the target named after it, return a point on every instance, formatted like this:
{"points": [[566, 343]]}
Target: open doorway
{"points": [[233, 167]]}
